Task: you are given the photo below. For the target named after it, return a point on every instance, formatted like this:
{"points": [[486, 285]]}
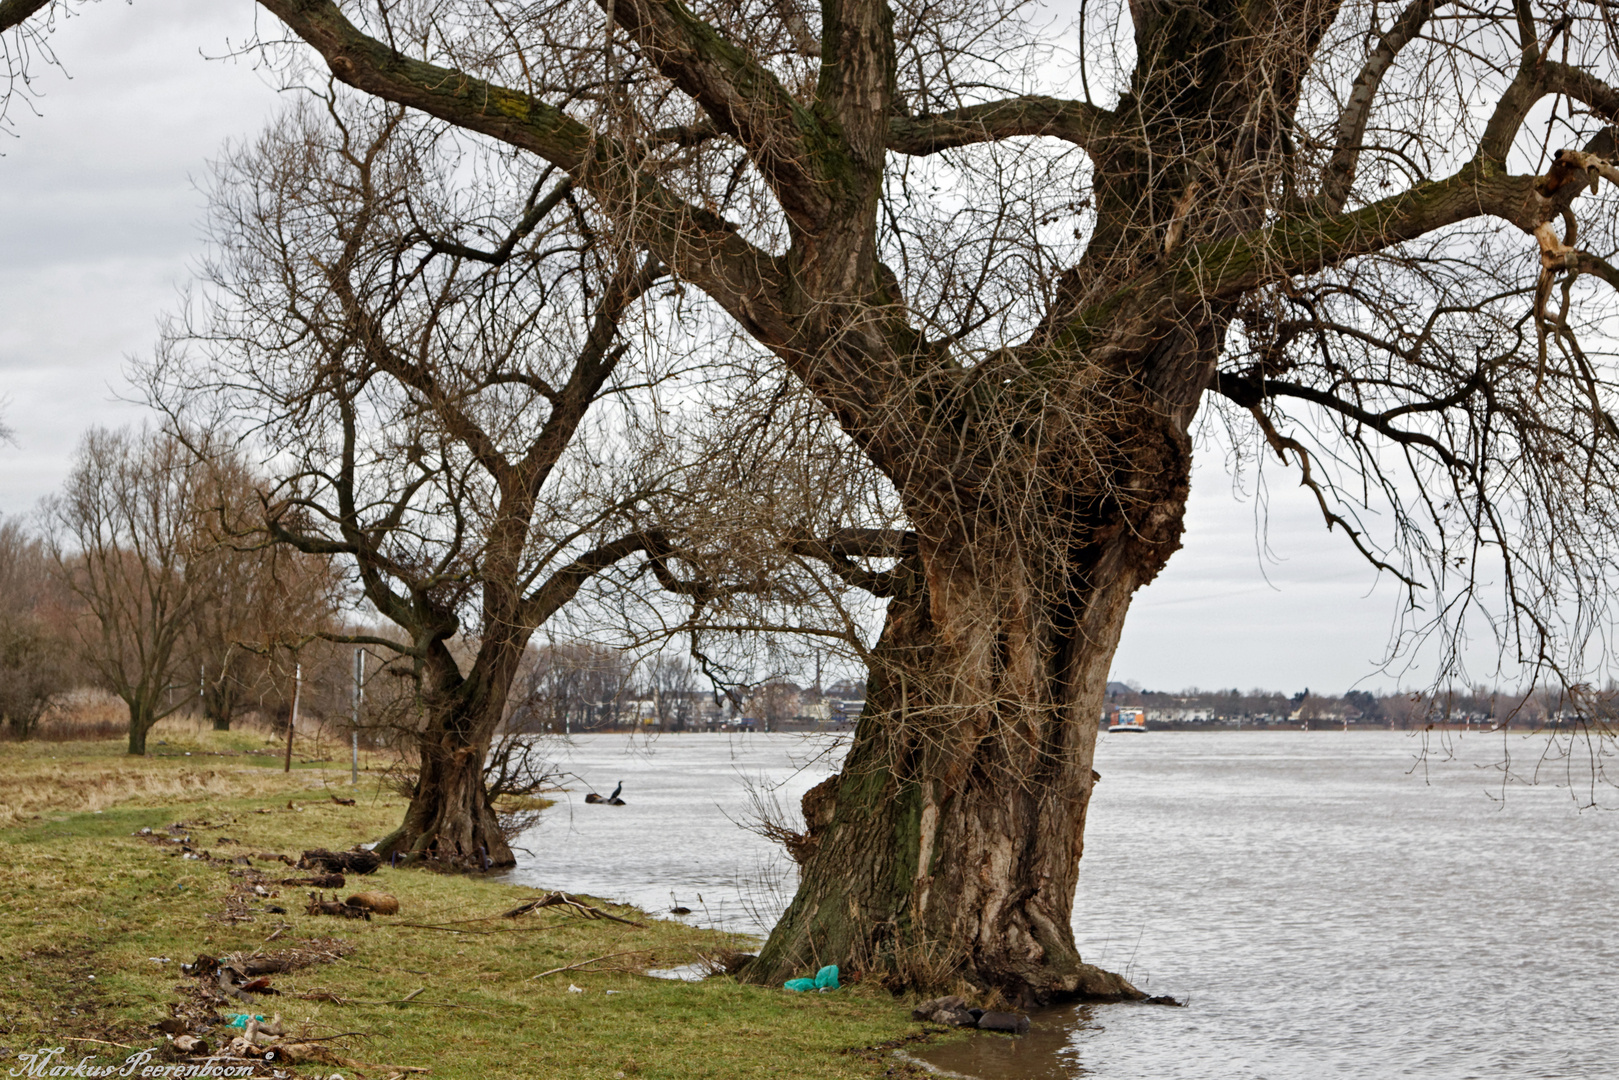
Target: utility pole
{"points": [[359, 698], [292, 724]]}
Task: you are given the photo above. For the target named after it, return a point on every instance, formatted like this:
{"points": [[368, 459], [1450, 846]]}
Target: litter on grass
{"points": [[825, 979]]}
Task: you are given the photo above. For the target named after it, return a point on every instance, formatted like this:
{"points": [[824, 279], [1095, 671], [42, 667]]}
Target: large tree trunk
{"points": [[451, 820], [949, 845]]}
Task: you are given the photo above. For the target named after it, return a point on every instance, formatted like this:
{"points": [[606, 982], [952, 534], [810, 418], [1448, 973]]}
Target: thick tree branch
{"points": [[1583, 87], [13, 12], [786, 141], [565, 584], [839, 550], [1526, 88], [697, 243], [1586, 263], [590, 370], [1311, 242], [1077, 122], [1250, 391], [372, 639], [531, 218], [856, 84]]}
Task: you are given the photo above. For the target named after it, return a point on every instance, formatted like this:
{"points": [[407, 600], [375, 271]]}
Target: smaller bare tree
{"points": [[417, 331], [34, 665], [253, 595], [121, 534]]}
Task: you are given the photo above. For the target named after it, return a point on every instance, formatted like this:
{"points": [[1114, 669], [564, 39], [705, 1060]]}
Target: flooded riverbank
{"points": [[1327, 907]]}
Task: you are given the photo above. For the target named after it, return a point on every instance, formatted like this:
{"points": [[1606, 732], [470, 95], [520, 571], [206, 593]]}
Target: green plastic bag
{"points": [[240, 1020], [825, 979]]}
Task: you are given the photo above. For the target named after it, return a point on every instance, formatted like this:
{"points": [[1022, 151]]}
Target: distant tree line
{"points": [[146, 576], [1404, 710]]}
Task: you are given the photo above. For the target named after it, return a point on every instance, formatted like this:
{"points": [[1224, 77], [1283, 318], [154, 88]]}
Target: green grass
{"points": [[85, 907]]}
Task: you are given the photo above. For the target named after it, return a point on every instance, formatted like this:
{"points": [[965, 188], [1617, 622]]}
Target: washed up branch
{"points": [[581, 964], [563, 900]]}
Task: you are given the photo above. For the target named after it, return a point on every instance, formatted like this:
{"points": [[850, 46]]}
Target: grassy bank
{"points": [[96, 918]]}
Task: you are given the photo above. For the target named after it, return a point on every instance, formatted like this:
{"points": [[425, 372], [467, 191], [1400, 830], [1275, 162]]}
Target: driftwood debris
{"points": [[340, 862], [317, 881], [567, 903], [319, 905], [376, 902]]}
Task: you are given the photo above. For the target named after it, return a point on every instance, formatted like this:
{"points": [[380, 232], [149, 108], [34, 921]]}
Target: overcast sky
{"points": [[99, 227]]}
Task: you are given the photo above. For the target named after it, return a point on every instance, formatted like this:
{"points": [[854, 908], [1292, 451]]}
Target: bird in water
{"points": [[611, 800], [678, 908]]}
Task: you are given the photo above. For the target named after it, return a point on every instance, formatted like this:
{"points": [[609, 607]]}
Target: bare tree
{"points": [[419, 360], [571, 687], [121, 533], [34, 649], [253, 596], [672, 685], [1340, 224]]}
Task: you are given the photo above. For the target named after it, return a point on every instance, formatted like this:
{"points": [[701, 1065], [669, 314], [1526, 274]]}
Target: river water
{"points": [[1326, 903]]}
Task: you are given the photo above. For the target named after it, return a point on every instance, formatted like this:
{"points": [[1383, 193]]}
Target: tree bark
{"points": [[142, 715], [949, 844], [451, 820]]}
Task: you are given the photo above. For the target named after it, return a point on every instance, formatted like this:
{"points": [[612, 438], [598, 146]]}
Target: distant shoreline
{"points": [[1153, 727]]}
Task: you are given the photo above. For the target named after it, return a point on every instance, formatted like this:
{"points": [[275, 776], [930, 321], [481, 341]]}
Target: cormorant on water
{"points": [[611, 800]]}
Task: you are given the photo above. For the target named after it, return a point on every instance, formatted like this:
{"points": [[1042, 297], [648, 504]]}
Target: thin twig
{"points": [[582, 963], [103, 1042]]}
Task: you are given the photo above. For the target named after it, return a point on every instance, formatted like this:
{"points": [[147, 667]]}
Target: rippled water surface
{"points": [[1327, 910], [679, 836]]}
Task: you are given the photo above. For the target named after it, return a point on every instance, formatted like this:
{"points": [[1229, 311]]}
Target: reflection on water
{"points": [[1326, 911], [1048, 1051]]}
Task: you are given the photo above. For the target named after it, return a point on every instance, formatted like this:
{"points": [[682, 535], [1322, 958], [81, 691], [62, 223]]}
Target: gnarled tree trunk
{"points": [[451, 820], [949, 844]]}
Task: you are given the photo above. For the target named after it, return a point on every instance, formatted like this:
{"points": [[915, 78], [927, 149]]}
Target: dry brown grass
{"points": [[186, 761], [81, 786]]}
